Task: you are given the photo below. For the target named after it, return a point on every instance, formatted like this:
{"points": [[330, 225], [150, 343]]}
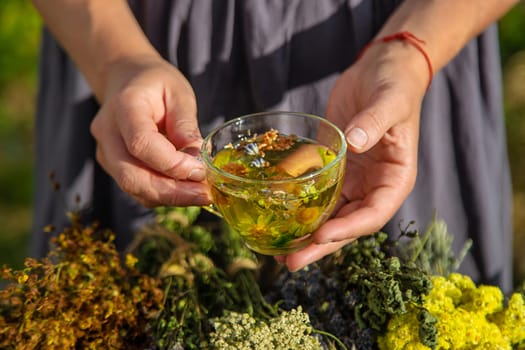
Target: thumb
{"points": [[369, 125]]}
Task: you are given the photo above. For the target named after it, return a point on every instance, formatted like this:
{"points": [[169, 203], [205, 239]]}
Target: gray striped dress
{"points": [[244, 56]]}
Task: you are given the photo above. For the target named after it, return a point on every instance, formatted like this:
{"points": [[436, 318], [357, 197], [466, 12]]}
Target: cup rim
{"points": [[210, 166]]}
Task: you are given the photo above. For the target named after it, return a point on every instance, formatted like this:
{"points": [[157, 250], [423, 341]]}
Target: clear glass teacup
{"points": [[275, 177]]}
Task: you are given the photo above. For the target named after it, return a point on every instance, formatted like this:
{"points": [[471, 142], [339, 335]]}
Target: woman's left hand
{"points": [[377, 102]]}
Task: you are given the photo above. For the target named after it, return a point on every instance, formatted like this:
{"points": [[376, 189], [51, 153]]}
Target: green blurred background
{"points": [[19, 42]]}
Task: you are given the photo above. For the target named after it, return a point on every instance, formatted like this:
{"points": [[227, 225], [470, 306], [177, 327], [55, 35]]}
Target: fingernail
{"points": [[357, 137], [328, 241], [201, 199], [197, 174], [192, 151]]}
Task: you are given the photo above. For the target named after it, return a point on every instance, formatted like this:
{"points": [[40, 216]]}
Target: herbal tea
{"points": [[279, 216]]}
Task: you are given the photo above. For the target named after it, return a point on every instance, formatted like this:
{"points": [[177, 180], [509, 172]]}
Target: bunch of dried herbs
{"points": [[356, 291], [185, 285], [204, 273], [81, 296]]}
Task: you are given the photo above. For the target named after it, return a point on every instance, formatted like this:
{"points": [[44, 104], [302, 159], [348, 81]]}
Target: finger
{"points": [[148, 187], [144, 142], [181, 120], [170, 192], [371, 124], [311, 253], [361, 217]]}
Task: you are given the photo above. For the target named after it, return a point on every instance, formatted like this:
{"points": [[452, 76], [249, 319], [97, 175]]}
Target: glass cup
{"points": [[275, 177]]}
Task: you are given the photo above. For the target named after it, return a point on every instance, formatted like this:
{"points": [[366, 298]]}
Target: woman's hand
{"points": [[146, 129], [377, 103], [381, 95], [147, 133]]}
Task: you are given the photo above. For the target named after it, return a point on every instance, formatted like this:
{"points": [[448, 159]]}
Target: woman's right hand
{"points": [[146, 130], [147, 133]]}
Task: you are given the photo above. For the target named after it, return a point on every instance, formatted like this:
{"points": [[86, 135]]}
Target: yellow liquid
{"points": [[277, 218]]}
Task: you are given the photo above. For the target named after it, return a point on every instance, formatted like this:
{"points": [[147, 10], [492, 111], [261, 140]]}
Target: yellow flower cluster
{"points": [[468, 317]]}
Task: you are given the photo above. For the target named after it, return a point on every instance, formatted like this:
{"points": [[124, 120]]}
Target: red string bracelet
{"points": [[409, 38]]}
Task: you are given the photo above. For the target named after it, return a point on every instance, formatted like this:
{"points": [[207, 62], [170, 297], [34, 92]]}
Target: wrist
{"points": [[95, 34], [403, 46], [400, 63], [119, 71]]}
